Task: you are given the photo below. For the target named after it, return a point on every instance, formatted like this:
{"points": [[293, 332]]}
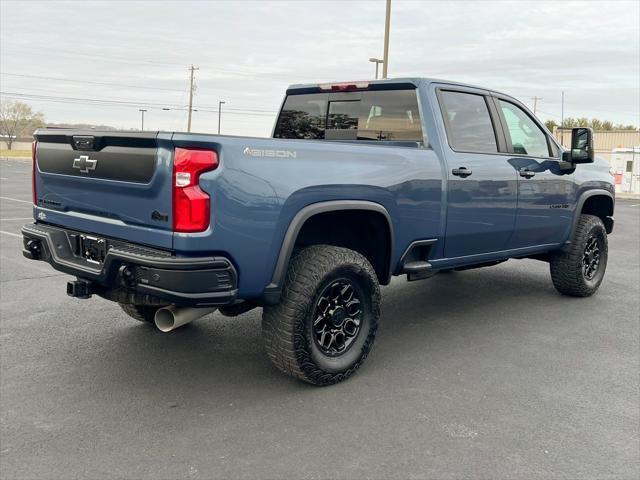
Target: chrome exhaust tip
{"points": [[171, 317]]}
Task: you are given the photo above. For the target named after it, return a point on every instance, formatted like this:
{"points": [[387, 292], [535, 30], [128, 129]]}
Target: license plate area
{"points": [[93, 249]]}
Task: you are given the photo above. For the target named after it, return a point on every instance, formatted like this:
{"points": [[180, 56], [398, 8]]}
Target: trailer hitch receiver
{"points": [[79, 289]]}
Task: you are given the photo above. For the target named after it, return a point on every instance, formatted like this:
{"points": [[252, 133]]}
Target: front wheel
{"points": [[579, 271], [325, 324]]}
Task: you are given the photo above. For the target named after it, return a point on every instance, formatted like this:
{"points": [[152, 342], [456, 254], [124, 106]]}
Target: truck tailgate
{"points": [[116, 184]]}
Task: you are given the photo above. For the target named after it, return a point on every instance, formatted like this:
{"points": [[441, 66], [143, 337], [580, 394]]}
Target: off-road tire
{"points": [[287, 328], [142, 313], [566, 267]]}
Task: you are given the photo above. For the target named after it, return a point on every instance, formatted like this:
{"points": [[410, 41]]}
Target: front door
{"points": [[482, 185], [546, 191]]}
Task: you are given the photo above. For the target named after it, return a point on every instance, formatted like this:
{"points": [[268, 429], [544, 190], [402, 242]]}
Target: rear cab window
{"points": [[376, 115]]}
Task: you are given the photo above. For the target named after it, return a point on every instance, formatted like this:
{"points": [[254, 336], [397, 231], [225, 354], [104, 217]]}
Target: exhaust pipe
{"points": [[172, 317]]}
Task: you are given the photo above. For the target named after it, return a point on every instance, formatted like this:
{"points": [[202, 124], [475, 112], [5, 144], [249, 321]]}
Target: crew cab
{"points": [[362, 181]]}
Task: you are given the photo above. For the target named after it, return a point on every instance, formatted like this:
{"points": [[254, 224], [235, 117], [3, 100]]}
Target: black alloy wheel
{"points": [[337, 317], [591, 257]]}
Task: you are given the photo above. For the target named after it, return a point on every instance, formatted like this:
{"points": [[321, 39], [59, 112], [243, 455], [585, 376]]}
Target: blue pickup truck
{"points": [[361, 181]]}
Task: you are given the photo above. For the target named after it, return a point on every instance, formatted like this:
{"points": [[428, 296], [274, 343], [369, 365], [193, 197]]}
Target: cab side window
{"points": [[469, 124], [526, 137]]}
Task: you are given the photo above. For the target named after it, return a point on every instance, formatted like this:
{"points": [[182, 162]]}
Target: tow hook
{"points": [[34, 248], [127, 276], [79, 289]]}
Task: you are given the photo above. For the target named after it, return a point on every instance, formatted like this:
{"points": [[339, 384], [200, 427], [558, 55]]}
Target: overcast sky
{"points": [[248, 52]]}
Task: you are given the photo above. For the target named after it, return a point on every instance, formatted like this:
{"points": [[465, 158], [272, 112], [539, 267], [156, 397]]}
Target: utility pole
{"points": [[191, 88], [562, 121], [220, 103], [387, 23], [535, 103], [142, 110]]}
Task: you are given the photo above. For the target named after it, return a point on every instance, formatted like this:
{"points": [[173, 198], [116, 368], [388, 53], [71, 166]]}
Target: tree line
{"points": [[594, 123]]}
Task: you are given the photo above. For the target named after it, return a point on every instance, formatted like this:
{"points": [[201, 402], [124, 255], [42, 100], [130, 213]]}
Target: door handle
{"points": [[461, 172], [526, 173]]}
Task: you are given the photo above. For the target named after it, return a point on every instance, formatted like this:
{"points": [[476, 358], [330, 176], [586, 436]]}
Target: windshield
{"points": [[387, 115]]}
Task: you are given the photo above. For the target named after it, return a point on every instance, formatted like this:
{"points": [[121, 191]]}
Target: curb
{"points": [[20, 159]]}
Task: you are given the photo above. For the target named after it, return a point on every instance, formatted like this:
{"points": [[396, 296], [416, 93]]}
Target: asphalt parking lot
{"points": [[481, 374]]}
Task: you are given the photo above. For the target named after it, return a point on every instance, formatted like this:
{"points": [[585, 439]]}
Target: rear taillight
{"points": [[191, 206], [34, 193]]}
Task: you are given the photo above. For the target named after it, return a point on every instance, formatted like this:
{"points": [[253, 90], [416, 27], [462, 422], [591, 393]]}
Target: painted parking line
{"points": [[636, 205], [16, 200], [10, 234], [14, 219]]}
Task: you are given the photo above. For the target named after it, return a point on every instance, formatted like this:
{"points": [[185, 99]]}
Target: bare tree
{"points": [[17, 118]]}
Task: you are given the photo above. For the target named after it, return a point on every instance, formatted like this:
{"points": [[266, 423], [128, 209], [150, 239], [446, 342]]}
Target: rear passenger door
{"points": [[482, 184], [545, 189]]}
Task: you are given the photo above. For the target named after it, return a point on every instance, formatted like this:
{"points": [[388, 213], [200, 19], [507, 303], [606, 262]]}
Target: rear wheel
{"points": [[142, 313], [579, 271], [326, 322]]}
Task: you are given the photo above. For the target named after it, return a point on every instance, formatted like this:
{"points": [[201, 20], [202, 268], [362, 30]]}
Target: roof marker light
{"points": [[344, 87]]}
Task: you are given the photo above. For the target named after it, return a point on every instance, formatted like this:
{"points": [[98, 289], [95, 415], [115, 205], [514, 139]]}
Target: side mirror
{"points": [[581, 146]]}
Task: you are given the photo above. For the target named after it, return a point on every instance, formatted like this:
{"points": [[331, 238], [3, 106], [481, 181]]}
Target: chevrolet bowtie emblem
{"points": [[84, 163]]}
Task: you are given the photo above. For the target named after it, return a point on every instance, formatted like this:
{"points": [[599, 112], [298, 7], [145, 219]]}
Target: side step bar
{"points": [[418, 270]]}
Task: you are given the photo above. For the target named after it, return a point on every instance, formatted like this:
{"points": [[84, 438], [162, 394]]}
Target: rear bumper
{"points": [[133, 269]]}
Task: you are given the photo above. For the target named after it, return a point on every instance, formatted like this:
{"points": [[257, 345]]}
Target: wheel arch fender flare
{"points": [[580, 205], [272, 291]]}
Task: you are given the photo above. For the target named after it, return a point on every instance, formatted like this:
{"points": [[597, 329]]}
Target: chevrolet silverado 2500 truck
{"points": [[360, 182]]}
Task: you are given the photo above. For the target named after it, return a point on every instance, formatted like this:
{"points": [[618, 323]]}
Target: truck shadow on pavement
{"points": [[217, 352]]}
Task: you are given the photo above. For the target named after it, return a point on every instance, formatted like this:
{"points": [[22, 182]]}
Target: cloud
{"points": [[248, 52]]}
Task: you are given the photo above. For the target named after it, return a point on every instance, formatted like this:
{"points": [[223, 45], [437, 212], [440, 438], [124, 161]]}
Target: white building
{"points": [[625, 163]]}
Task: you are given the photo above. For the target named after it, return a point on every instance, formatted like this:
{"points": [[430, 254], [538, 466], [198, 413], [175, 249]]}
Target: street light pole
{"points": [[220, 103], [377, 61], [142, 110], [387, 23]]}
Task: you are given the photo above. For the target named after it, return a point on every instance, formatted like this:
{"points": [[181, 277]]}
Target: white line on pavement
{"points": [[11, 234], [636, 205], [16, 200], [4, 178], [11, 219]]}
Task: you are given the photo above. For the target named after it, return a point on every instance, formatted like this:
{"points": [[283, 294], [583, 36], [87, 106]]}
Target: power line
{"points": [[100, 55], [250, 74], [183, 92], [119, 103], [550, 114], [42, 77], [91, 100], [109, 98], [124, 101]]}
